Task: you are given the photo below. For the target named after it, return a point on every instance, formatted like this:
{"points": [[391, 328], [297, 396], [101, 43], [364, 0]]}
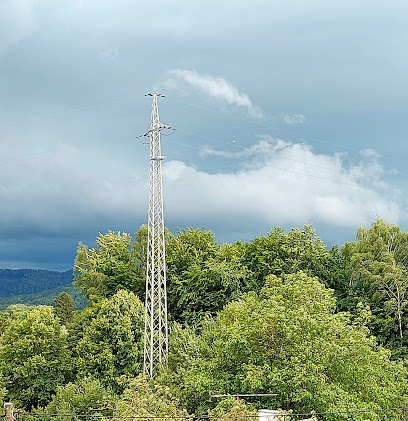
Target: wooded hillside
{"points": [[31, 281]]}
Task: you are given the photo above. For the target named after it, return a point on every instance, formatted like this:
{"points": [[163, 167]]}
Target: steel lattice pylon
{"points": [[156, 330]]}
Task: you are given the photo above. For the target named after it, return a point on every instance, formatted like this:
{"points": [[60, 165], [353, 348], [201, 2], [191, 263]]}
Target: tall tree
{"points": [[280, 253], [107, 339], [377, 268], [34, 358], [104, 270], [64, 307], [202, 275]]}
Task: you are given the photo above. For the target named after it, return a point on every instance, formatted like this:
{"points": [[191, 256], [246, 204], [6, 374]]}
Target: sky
{"points": [[286, 113]]}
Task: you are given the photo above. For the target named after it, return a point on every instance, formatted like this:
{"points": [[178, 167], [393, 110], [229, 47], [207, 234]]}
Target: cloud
{"points": [[273, 181], [75, 190], [284, 183], [293, 119], [216, 87], [67, 189]]}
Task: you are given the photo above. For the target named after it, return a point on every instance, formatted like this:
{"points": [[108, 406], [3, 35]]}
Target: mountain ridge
{"points": [[31, 281], [46, 297]]}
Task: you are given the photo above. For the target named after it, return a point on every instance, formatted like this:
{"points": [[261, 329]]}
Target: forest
{"points": [[30, 281], [326, 330]]}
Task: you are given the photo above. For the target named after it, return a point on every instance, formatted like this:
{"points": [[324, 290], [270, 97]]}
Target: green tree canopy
{"points": [[12, 312], [202, 275], [34, 358], [64, 307], [280, 253], [377, 269], [143, 398], [107, 339], [104, 270], [85, 397], [286, 340]]}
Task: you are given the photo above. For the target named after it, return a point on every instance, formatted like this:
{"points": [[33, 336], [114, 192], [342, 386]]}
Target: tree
{"points": [[104, 270], [3, 394], [202, 275], [85, 397], [34, 358], [12, 312], [107, 340], [30, 281], [287, 340], [139, 255], [280, 253], [139, 247], [143, 398], [377, 269], [64, 307]]}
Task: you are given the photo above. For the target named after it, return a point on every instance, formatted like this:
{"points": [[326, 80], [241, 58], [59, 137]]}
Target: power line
{"points": [[232, 156], [283, 169], [268, 126], [213, 139], [73, 110], [299, 135], [13, 158], [257, 123], [213, 417], [244, 148]]}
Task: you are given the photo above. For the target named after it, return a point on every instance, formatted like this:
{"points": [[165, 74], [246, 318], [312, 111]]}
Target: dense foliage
{"points": [[34, 358], [280, 253], [288, 340], [85, 397], [377, 268], [148, 399], [107, 339], [104, 270], [64, 308], [202, 275], [31, 281], [326, 330]]}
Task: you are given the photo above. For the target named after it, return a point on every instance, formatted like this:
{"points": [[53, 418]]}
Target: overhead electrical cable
{"points": [[283, 169], [76, 109], [17, 157], [258, 123], [211, 417], [268, 126], [245, 149]]}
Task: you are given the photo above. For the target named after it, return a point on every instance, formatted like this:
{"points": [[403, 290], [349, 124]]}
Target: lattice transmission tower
{"points": [[156, 330]]}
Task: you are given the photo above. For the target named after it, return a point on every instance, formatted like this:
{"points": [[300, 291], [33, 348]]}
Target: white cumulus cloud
{"points": [[216, 87], [284, 183]]}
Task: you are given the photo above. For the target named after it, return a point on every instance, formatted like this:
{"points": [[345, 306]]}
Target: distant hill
{"points": [[45, 298], [36, 286], [31, 281]]}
